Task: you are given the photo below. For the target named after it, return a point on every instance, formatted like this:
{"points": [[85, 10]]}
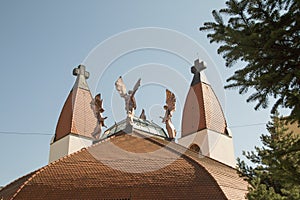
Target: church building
{"points": [[136, 158]]}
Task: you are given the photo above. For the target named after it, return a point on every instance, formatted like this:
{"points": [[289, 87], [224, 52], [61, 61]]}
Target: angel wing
{"points": [[120, 86], [98, 103], [170, 101], [136, 87]]}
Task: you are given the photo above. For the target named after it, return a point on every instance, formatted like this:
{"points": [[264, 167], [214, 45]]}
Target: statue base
{"points": [[128, 128]]}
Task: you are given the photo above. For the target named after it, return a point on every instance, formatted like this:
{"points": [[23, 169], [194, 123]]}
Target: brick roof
{"points": [[130, 166], [202, 110], [77, 116]]}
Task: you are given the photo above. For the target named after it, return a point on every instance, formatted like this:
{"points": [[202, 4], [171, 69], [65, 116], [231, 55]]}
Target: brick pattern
{"points": [[215, 119], [11, 189], [202, 110], [83, 175], [77, 116], [193, 118], [233, 186]]}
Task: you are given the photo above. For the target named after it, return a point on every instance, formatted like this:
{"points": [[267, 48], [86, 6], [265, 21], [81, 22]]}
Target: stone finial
{"points": [[82, 75], [198, 66], [80, 70], [196, 69], [143, 115]]}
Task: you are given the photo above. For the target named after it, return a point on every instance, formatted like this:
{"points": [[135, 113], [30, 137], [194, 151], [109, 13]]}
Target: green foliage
{"points": [[276, 171], [265, 34]]}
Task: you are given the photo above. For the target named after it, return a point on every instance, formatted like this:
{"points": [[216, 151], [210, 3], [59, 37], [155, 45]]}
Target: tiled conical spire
{"points": [[77, 116], [202, 109]]}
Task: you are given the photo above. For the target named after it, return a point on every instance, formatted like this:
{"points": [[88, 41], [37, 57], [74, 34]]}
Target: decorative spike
{"points": [[143, 115]]}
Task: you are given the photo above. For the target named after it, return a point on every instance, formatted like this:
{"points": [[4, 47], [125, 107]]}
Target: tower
{"points": [[142, 163], [204, 127], [77, 121]]}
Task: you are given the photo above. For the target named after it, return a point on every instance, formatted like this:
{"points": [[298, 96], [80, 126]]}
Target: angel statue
{"points": [[169, 110], [130, 103], [98, 110]]}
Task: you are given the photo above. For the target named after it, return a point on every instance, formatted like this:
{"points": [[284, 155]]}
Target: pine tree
{"points": [[276, 171], [265, 34]]}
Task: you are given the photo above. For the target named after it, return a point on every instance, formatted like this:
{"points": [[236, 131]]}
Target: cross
{"points": [[80, 70], [196, 69], [198, 66]]}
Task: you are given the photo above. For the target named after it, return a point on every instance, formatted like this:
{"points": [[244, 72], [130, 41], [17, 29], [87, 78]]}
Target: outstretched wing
{"points": [[120, 86], [98, 103], [170, 101], [136, 87]]}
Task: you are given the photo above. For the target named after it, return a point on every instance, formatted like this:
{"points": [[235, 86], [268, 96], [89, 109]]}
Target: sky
{"points": [[42, 41]]}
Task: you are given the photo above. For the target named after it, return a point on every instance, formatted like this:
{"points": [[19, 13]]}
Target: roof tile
{"points": [[163, 170], [202, 110]]}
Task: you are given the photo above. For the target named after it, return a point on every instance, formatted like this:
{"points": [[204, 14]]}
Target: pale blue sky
{"points": [[42, 41]]}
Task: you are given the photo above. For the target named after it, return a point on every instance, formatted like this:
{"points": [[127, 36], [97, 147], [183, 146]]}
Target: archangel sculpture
{"points": [[97, 105], [169, 110], [130, 103]]}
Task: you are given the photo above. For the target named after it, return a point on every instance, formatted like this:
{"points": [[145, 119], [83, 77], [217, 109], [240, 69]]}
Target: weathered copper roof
{"points": [[130, 166], [138, 124], [77, 116]]}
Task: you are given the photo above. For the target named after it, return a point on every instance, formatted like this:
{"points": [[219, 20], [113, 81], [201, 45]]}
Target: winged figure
{"points": [[169, 110], [97, 105], [130, 103]]}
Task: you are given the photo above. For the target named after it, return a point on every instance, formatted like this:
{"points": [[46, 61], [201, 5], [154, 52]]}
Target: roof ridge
{"points": [[102, 141], [27, 181], [214, 175], [155, 140], [151, 139], [75, 93], [34, 174], [209, 158], [16, 180], [40, 170], [218, 104], [204, 107], [75, 123], [192, 152], [69, 98], [66, 156], [192, 160]]}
